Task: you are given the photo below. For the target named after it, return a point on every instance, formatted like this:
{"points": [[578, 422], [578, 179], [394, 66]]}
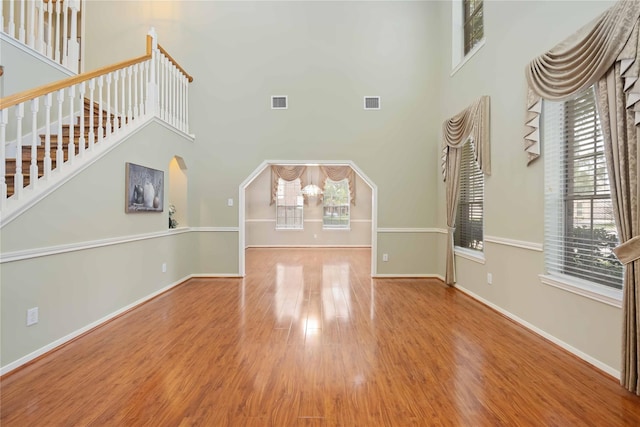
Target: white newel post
{"points": [[35, 142], [4, 118], [73, 47], [152, 86]]}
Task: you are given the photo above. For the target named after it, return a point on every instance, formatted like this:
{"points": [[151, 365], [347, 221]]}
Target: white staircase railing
{"points": [[49, 133], [47, 26]]}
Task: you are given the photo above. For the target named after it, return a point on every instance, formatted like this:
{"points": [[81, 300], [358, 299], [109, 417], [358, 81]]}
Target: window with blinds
{"points": [[580, 230], [473, 23], [469, 219], [289, 205], [335, 201]]}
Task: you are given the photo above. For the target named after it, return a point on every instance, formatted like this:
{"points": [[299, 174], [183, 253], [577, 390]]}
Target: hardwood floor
{"points": [[306, 339]]}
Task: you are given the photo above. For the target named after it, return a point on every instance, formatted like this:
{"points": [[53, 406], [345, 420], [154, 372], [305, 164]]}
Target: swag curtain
{"points": [[338, 173], [472, 125], [604, 52], [287, 173]]}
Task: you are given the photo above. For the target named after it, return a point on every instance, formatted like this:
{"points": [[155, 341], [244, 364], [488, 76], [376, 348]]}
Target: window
{"points": [[473, 23], [336, 200], [467, 30], [580, 229], [469, 219], [289, 205]]}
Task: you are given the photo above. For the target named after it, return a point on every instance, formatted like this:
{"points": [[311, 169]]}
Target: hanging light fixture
{"points": [[311, 190]]}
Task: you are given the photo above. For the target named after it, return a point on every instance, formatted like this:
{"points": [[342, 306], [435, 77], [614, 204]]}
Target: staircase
{"points": [[78, 140], [74, 121]]}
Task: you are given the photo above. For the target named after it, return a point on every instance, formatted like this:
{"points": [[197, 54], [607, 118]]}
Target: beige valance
{"points": [[580, 61], [287, 173], [338, 173], [471, 123]]}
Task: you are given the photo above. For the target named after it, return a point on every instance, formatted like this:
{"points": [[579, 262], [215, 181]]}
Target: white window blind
{"points": [[289, 205], [336, 204], [580, 229], [469, 219]]}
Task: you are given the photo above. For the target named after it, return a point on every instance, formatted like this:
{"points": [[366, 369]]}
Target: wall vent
{"points": [[279, 102], [371, 102]]}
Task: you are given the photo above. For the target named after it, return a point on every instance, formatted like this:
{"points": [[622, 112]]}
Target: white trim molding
{"points": [[612, 297], [35, 54], [408, 276], [309, 246], [582, 355], [91, 244], [411, 230], [471, 255], [215, 276], [216, 229], [514, 243]]}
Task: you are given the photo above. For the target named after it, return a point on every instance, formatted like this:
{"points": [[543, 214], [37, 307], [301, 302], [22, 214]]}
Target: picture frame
{"points": [[144, 189]]}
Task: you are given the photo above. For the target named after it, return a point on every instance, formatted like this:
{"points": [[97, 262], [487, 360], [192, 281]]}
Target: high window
{"points": [[289, 205], [469, 219], [580, 229], [473, 23], [335, 212]]}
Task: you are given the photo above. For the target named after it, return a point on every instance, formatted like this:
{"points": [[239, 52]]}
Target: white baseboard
{"points": [[215, 276], [308, 246], [57, 343], [408, 276], [591, 360]]}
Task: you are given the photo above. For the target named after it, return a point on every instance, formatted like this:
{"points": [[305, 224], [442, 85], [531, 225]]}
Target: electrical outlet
{"points": [[230, 202], [32, 316], [164, 267], [385, 257], [489, 278]]}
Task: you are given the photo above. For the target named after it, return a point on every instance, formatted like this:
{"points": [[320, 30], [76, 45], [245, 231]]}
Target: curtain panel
{"points": [[338, 173], [287, 173], [604, 52], [471, 124]]}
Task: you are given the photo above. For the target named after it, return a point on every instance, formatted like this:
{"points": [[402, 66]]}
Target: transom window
{"points": [[580, 230], [336, 201], [473, 23], [469, 219], [289, 205]]}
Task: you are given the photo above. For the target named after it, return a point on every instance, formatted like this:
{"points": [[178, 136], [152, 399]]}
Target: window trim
{"points": [[458, 57], [594, 291], [557, 188], [467, 146], [348, 226], [285, 228], [470, 254]]}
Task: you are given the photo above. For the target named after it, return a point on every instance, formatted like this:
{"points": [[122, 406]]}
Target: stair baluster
{"points": [[33, 170], [71, 148], [31, 42], [129, 104], [107, 130], [47, 137], [17, 178], [4, 119], [92, 135], [81, 137], [21, 28], [100, 109], [113, 117], [59, 152], [49, 43]]}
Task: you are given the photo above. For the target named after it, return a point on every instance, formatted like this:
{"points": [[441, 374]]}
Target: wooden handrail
{"points": [[30, 94], [174, 62]]}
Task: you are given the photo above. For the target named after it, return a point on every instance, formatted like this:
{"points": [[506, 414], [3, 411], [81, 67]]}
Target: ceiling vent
{"points": [[279, 102], [371, 102]]}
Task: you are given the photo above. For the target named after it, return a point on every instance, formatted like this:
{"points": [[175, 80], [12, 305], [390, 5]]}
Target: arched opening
{"points": [[257, 216], [178, 190]]}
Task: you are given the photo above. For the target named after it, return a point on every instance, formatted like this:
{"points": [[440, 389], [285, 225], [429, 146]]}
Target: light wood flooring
{"points": [[309, 339]]}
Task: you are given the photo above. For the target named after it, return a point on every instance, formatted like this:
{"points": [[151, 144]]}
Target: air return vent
{"points": [[371, 102], [279, 102]]}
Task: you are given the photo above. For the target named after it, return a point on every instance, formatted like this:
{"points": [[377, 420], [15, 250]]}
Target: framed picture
{"points": [[144, 189]]}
